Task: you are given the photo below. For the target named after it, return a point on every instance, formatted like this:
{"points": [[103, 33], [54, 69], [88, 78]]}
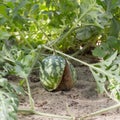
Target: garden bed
{"points": [[79, 101]]}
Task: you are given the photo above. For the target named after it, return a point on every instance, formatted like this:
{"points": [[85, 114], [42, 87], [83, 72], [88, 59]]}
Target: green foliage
{"points": [[4, 35], [62, 12], [86, 33], [20, 64], [65, 25], [110, 37], [89, 19], [23, 68], [15, 61], [8, 92], [94, 13], [107, 48], [9, 100], [40, 22], [109, 76]]}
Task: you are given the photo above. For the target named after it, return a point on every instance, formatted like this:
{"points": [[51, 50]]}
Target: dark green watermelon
{"points": [[56, 73]]}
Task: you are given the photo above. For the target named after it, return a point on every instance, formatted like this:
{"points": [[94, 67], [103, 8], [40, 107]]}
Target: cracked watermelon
{"points": [[56, 73]]}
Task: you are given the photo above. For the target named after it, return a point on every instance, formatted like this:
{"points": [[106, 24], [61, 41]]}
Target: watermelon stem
{"points": [[31, 101], [80, 61], [100, 111], [29, 111]]}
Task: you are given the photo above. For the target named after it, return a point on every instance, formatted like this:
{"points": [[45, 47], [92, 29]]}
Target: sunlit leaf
{"points": [[3, 10]]}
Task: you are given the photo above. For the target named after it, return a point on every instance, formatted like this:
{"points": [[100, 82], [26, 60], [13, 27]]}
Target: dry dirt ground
{"points": [[80, 100]]}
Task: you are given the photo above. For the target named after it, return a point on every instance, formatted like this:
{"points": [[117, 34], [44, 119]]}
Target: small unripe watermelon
{"points": [[56, 73]]}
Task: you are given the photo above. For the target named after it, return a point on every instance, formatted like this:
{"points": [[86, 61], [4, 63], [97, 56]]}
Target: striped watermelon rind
{"points": [[51, 71]]}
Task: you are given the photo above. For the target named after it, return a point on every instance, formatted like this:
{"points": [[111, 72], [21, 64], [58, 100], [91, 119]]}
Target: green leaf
{"points": [[108, 77], [24, 64], [84, 34], [8, 101], [35, 9], [3, 82], [110, 60], [4, 35], [115, 27], [93, 13], [112, 4], [113, 43], [100, 80], [8, 105], [20, 71], [107, 48], [3, 10], [2, 20], [18, 89], [99, 52]]}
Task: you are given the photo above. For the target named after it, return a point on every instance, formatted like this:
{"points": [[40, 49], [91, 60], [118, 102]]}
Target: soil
{"points": [[82, 99]]}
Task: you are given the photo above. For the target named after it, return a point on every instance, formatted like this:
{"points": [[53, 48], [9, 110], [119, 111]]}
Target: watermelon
{"points": [[56, 73]]}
